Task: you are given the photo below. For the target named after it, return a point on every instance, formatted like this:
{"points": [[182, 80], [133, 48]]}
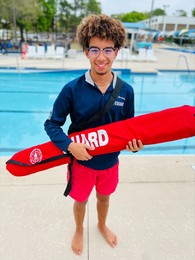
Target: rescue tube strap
{"points": [[51, 159], [69, 184], [83, 125]]}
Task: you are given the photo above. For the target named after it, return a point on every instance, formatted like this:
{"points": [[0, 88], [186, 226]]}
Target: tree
{"points": [[158, 12], [193, 12], [5, 21], [27, 13], [65, 12], [92, 6], [132, 17], [46, 21], [19, 12], [181, 13], [71, 12]]}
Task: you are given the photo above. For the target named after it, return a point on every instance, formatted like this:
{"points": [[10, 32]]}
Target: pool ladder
{"points": [[186, 61]]}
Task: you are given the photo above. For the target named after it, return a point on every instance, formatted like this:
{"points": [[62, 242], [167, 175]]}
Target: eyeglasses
{"points": [[107, 51]]}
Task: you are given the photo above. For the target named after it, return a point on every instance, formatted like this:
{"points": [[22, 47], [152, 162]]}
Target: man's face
{"points": [[101, 54]]}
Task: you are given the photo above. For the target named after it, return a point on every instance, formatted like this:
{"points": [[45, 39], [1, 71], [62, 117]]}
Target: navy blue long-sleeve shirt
{"points": [[81, 99]]}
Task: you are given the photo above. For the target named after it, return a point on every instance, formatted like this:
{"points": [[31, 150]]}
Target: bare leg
{"points": [[102, 209], [79, 214]]}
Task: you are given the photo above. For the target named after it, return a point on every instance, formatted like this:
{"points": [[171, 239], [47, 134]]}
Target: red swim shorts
{"points": [[84, 179]]}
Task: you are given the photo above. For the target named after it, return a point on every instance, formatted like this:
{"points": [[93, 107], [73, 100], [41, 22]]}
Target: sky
{"points": [[126, 6]]}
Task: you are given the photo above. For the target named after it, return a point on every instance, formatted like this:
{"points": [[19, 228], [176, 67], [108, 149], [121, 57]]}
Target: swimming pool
{"points": [[182, 49], [27, 97]]}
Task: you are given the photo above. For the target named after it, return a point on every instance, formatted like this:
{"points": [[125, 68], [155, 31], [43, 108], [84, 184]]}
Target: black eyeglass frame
{"points": [[101, 49]]}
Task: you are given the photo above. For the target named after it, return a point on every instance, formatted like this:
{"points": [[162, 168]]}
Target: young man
{"points": [[101, 37]]}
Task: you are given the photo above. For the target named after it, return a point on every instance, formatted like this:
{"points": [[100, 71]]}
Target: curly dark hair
{"points": [[101, 26]]}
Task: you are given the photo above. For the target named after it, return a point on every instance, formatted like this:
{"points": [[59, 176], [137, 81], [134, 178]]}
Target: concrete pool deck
{"points": [[152, 211], [165, 60]]}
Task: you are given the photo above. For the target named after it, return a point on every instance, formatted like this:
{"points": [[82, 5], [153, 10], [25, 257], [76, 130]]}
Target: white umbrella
{"points": [[171, 33], [182, 32]]}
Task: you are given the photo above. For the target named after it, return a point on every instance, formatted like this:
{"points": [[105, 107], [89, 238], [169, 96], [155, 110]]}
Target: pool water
{"points": [[27, 97]]}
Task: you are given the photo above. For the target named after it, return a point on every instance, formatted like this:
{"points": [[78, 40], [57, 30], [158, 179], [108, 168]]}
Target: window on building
{"points": [[170, 27], [191, 26], [181, 26]]}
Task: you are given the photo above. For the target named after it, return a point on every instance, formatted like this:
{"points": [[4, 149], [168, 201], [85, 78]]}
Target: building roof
{"points": [[138, 25]]}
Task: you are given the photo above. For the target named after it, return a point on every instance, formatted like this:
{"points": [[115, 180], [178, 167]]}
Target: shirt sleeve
{"points": [[130, 103], [53, 125]]}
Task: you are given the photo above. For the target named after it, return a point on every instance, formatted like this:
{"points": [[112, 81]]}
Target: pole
{"points": [[163, 26], [151, 13], [14, 20]]}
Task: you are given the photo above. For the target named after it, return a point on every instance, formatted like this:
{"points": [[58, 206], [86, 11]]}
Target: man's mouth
{"points": [[101, 66]]}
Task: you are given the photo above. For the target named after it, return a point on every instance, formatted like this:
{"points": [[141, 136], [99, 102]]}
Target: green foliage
{"points": [[133, 17], [60, 15], [4, 12], [45, 21], [193, 12], [71, 13], [22, 13], [66, 15], [158, 12], [92, 6]]}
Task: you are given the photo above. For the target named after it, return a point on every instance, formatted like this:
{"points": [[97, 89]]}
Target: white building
{"points": [[170, 23]]}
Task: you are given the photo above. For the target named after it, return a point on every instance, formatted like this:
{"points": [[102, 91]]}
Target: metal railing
{"points": [[186, 61]]}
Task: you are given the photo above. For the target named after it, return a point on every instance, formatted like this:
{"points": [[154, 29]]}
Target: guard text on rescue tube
{"points": [[96, 138]]}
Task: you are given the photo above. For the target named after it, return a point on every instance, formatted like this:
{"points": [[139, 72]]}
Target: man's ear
{"points": [[86, 53], [116, 52]]}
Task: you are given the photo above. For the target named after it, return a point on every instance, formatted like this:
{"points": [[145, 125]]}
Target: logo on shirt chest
{"points": [[120, 102]]}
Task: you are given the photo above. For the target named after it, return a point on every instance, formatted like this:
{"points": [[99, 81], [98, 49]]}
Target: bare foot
{"points": [[108, 235], [77, 242]]}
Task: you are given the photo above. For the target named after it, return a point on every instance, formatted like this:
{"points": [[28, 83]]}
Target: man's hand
{"points": [[134, 145], [79, 151]]}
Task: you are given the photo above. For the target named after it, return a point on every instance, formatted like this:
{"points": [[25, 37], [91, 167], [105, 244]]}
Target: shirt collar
{"points": [[89, 80]]}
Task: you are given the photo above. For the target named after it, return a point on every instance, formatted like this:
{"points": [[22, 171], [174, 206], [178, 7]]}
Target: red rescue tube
{"points": [[36, 158], [158, 127]]}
